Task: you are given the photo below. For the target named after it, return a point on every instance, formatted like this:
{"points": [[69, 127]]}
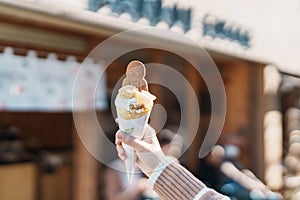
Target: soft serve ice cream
{"points": [[131, 103]]}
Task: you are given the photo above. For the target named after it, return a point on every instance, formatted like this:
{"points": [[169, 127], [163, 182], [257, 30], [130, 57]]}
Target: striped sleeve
{"points": [[177, 183]]}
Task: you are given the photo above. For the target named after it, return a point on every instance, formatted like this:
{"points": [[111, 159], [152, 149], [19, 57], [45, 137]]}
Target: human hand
{"points": [[148, 150]]}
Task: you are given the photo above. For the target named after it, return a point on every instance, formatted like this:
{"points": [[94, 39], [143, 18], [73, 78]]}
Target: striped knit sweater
{"points": [[171, 181]]}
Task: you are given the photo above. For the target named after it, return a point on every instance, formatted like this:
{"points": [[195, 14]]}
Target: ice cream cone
{"points": [[129, 162], [133, 111]]}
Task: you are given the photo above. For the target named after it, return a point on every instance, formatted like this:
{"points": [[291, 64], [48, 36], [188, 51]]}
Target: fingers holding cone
{"points": [[135, 143], [119, 147]]}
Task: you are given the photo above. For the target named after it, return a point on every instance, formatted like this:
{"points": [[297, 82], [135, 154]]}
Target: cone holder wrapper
{"points": [[133, 127]]}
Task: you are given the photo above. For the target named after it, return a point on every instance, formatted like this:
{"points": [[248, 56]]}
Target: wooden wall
{"points": [[244, 124], [41, 130], [18, 181]]}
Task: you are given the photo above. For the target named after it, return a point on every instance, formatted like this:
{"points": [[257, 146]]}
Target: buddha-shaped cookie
{"points": [[135, 75]]}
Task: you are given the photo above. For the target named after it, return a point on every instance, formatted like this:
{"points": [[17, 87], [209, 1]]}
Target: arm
{"points": [[168, 178], [234, 173], [176, 182]]}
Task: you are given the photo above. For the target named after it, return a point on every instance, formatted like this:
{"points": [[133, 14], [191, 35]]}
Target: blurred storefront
{"points": [[43, 43]]}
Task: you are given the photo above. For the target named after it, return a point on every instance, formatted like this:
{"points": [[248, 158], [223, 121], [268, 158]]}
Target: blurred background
{"points": [[254, 44]]}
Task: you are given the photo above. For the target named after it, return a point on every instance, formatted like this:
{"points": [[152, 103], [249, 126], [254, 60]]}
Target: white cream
{"points": [[143, 97], [124, 103]]}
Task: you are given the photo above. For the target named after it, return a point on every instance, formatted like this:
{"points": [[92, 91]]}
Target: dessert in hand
{"points": [[133, 104]]}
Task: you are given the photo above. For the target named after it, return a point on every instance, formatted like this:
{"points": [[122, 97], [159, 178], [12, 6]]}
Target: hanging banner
{"points": [[33, 84]]}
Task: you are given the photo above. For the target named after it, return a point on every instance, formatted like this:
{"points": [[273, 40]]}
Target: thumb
{"points": [[135, 143]]}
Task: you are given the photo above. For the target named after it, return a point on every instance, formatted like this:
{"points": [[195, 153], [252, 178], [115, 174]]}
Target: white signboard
{"points": [[33, 84]]}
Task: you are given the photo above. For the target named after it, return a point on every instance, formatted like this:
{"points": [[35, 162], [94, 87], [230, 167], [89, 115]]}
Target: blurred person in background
{"points": [[222, 171], [241, 183], [209, 168]]}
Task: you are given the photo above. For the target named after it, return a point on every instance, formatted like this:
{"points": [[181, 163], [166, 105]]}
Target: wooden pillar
{"points": [[256, 120], [192, 155], [272, 129], [237, 77], [158, 114], [85, 170]]}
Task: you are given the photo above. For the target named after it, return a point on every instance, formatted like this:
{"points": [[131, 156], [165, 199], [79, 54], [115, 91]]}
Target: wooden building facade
{"points": [[254, 117]]}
